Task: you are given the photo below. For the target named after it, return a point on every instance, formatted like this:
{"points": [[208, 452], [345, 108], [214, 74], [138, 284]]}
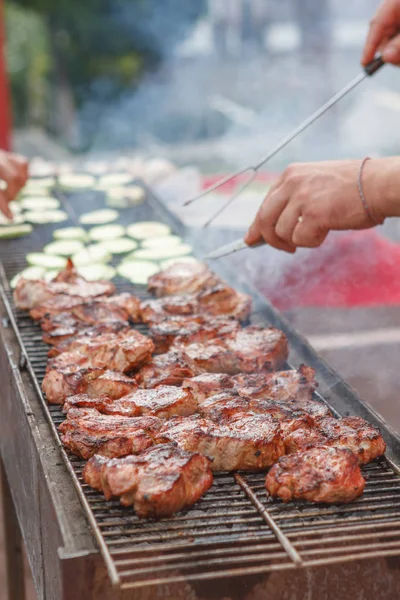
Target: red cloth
{"points": [[351, 269]]}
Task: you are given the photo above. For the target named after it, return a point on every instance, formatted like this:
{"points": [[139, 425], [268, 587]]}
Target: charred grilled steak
{"points": [[208, 384], [62, 383], [86, 432], [323, 474], [349, 432], [182, 278], [248, 443], [122, 352], [163, 402], [158, 483], [166, 369], [180, 331], [247, 350], [61, 339]]}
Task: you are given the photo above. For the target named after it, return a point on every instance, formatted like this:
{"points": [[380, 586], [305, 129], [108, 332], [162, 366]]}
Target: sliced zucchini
{"points": [[123, 197], [137, 271], [159, 253], [181, 259], [64, 247], [99, 217], [39, 203], [113, 179], [38, 186], [41, 217], [97, 271], [165, 241], [106, 232], [15, 207], [16, 220], [14, 231], [50, 275], [47, 261], [147, 229], [94, 253], [119, 246], [70, 233], [76, 181], [28, 273]]}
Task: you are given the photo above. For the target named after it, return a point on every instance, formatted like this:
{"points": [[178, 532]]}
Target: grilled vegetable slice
{"points": [[94, 253], [165, 241], [64, 247], [99, 217], [106, 232], [38, 186], [76, 181], [17, 220], [97, 271], [119, 246], [147, 229], [14, 231], [113, 179], [172, 261], [39, 203], [45, 216], [159, 252], [50, 275], [15, 207], [70, 233], [47, 261], [137, 271], [28, 273]]}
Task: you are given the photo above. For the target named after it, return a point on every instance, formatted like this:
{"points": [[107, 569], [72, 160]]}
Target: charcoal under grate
{"points": [[235, 529]]}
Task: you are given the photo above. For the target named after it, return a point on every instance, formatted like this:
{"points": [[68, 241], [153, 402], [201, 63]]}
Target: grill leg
{"points": [[12, 544]]}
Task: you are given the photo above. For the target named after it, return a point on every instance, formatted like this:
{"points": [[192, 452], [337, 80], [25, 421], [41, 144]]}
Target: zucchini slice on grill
{"points": [[137, 271], [47, 261], [42, 217], [14, 231], [159, 253], [99, 217], [97, 271], [28, 273], [40, 203], [106, 232], [70, 233], [64, 247], [95, 253], [119, 246], [147, 229]]}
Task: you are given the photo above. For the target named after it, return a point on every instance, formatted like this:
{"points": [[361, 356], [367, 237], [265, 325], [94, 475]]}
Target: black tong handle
{"points": [[374, 65]]}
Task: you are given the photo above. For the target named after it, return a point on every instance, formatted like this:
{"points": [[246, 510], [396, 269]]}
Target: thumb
{"points": [[391, 52], [254, 233]]}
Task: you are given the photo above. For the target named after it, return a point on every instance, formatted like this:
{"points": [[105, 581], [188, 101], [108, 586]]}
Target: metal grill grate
{"points": [[235, 529]]}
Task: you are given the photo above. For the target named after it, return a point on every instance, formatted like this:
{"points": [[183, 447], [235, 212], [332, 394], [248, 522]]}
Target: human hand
{"points": [[14, 172], [311, 199], [382, 34]]}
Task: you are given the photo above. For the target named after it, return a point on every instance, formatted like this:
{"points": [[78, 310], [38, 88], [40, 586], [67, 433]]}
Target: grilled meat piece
{"points": [[181, 278], [324, 474], [354, 433], [248, 442], [61, 339], [216, 301], [30, 293], [86, 432], [158, 483], [58, 311], [281, 386], [170, 368], [247, 350], [180, 331], [163, 402], [208, 384], [62, 383], [122, 352]]}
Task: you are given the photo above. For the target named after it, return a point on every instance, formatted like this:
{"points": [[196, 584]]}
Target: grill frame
{"points": [[342, 400]]}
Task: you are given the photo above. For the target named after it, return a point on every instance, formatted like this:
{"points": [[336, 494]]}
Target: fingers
{"points": [[5, 209], [391, 52], [263, 227], [376, 34], [307, 235], [14, 172]]}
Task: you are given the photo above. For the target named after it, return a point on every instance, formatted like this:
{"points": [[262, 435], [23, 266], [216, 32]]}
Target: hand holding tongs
{"points": [[369, 70]]}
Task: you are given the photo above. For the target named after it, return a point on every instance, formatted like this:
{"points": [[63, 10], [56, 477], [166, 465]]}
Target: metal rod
{"points": [[286, 543]]}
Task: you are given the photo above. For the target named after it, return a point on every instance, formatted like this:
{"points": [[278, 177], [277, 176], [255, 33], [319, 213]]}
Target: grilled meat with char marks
{"points": [[249, 442], [170, 368], [208, 384], [122, 307], [354, 433], [323, 474], [180, 331], [246, 350], [62, 383], [163, 402], [216, 301], [158, 483], [61, 339], [122, 352], [86, 432], [181, 278]]}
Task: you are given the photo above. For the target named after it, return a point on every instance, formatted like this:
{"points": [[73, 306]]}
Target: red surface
{"points": [[5, 114], [353, 269]]}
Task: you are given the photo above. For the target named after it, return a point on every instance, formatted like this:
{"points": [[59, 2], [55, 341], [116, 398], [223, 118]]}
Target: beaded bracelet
{"points": [[361, 192]]}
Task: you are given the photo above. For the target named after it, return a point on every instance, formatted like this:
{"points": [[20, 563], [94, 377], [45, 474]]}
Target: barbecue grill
{"points": [[233, 544]]}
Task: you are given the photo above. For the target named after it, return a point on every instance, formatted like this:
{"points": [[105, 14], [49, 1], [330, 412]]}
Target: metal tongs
{"points": [[369, 70]]}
